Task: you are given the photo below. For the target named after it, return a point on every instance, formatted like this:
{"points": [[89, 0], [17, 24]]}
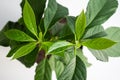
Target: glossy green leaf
{"points": [[98, 43], [18, 35], [80, 25], [38, 7], [83, 57], [95, 32], [43, 71], [24, 50], [113, 34], [98, 11], [71, 23], [29, 18], [75, 70], [58, 45], [50, 13]]}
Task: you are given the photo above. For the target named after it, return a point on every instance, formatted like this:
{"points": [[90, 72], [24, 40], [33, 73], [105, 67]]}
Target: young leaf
{"points": [[18, 35], [58, 45], [38, 8], [43, 71], [29, 18], [99, 43], [71, 23], [24, 50], [75, 70], [98, 11], [80, 25], [50, 13]]}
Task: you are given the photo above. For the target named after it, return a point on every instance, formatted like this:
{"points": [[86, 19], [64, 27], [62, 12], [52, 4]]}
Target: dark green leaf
{"points": [[98, 43], [24, 50], [60, 13], [50, 13], [58, 45], [29, 18], [38, 8], [71, 23], [18, 35], [80, 25], [43, 71], [75, 70], [98, 11], [95, 32]]}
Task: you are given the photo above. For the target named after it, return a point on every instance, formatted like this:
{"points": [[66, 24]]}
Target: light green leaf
{"points": [[50, 13], [98, 43], [98, 11], [80, 25], [99, 55], [43, 71], [113, 34], [83, 58], [29, 18], [18, 35], [24, 50], [75, 70], [58, 45], [71, 23], [95, 32], [59, 68]]}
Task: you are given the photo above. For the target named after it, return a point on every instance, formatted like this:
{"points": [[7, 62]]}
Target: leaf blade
{"points": [[80, 25], [18, 35], [24, 50], [43, 71], [98, 11], [98, 43], [29, 18]]}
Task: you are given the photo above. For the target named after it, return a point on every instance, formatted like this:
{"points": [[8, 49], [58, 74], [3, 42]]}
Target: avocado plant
{"points": [[47, 35]]}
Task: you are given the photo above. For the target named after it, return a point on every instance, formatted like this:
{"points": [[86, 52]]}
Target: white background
{"points": [[14, 70]]}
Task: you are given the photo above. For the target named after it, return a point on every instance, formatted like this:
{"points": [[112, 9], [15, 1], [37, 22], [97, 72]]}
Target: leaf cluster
{"points": [[53, 39]]}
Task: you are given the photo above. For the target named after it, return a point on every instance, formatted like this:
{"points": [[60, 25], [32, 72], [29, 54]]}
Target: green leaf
{"points": [[99, 55], [98, 43], [50, 13], [113, 35], [59, 68], [71, 23], [24, 50], [43, 71], [75, 70], [29, 59], [38, 7], [98, 11], [58, 45], [29, 18], [83, 58], [18, 35], [95, 32], [80, 25], [60, 13]]}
